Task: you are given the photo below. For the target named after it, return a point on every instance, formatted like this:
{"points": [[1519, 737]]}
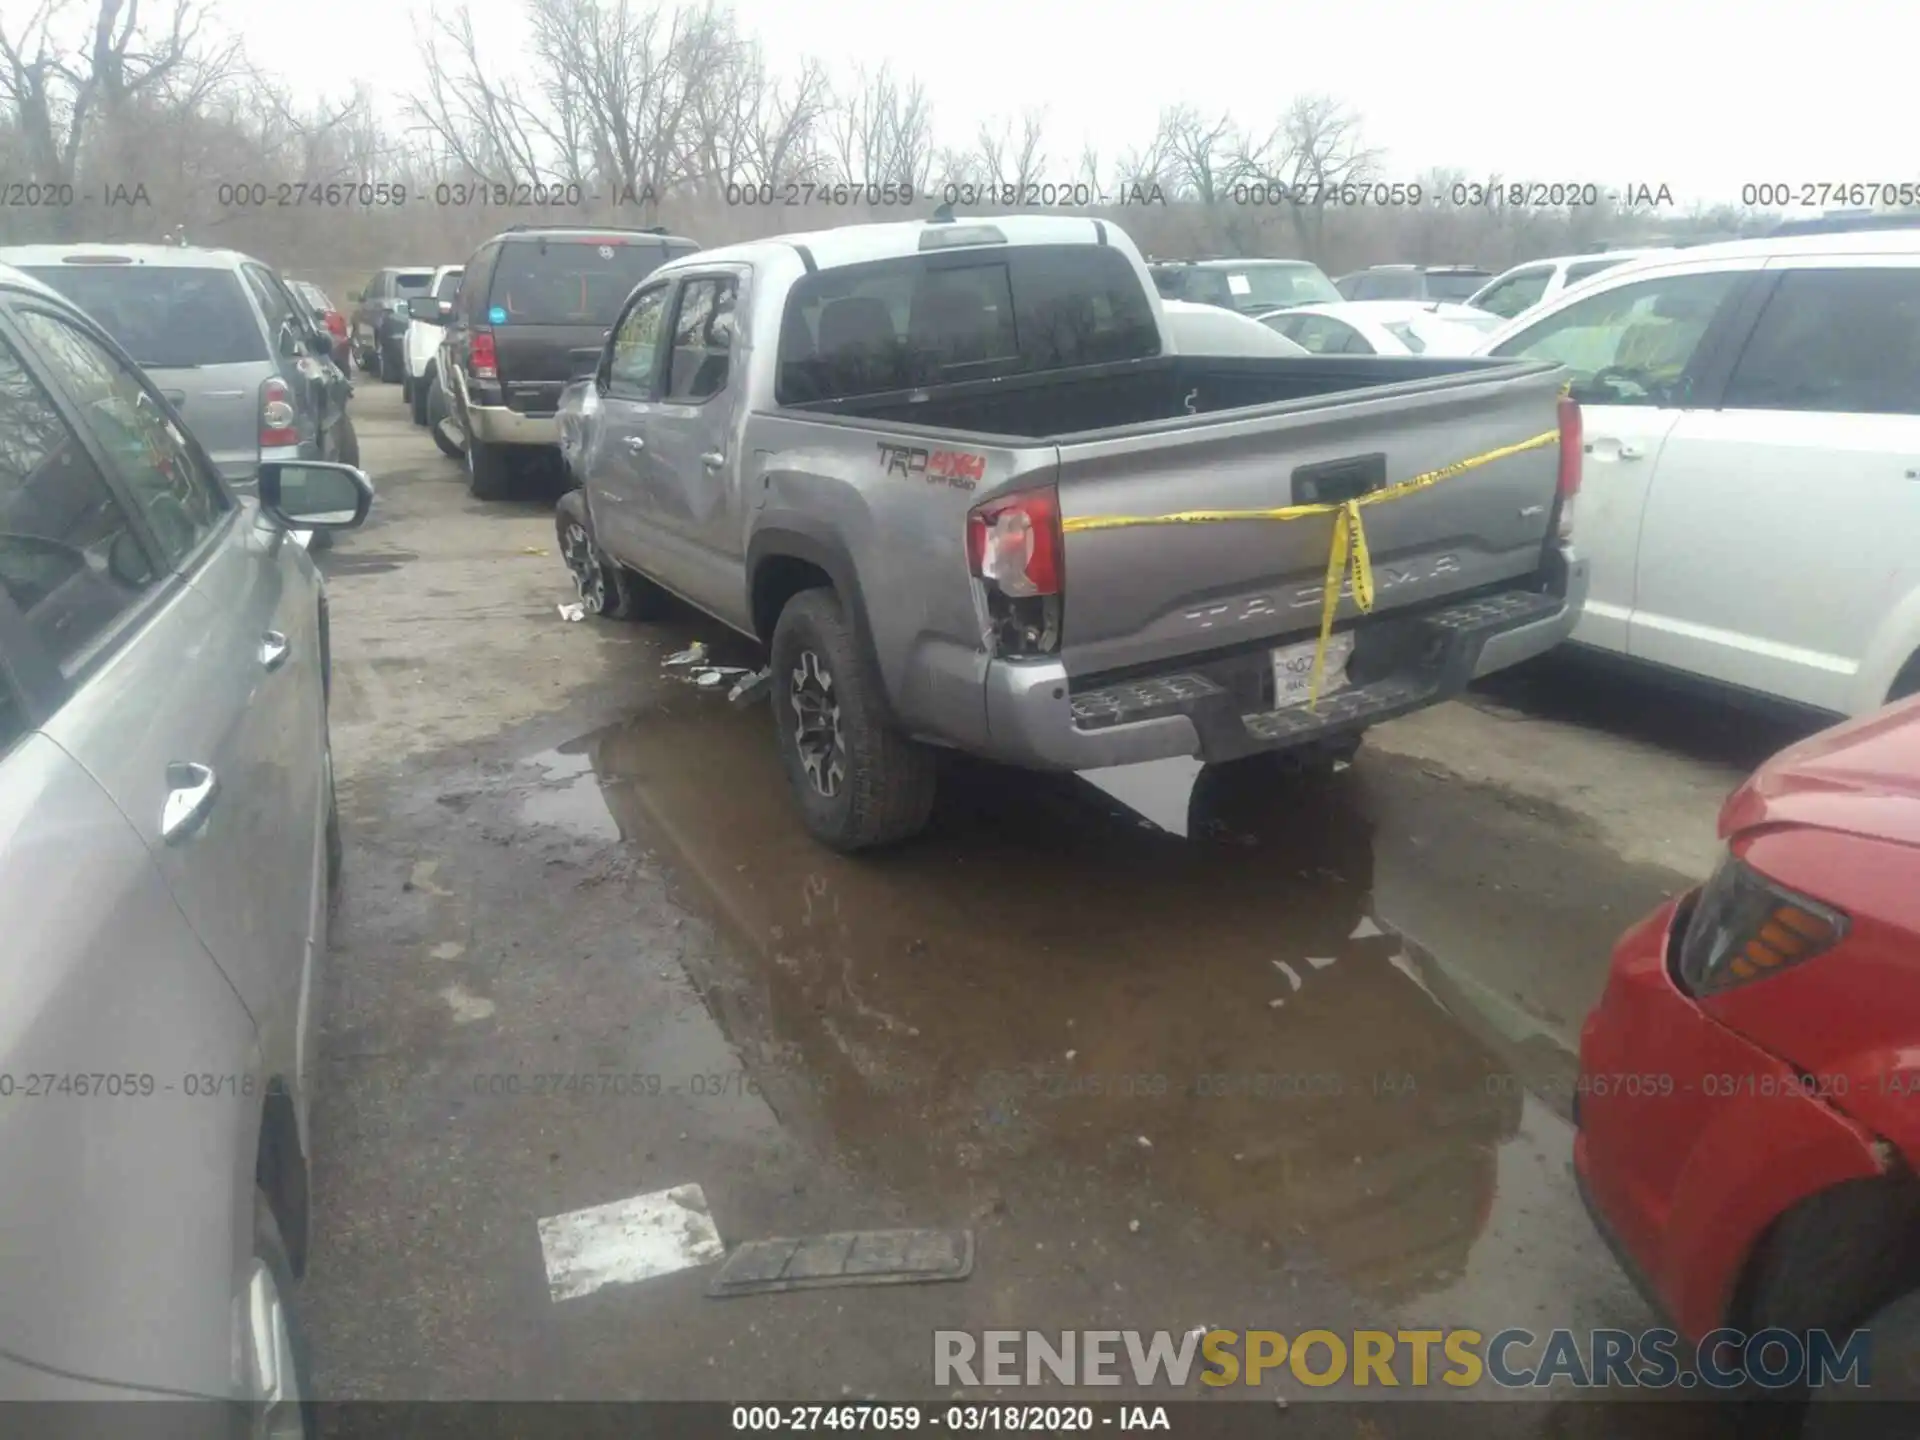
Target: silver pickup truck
{"points": [[890, 454]]}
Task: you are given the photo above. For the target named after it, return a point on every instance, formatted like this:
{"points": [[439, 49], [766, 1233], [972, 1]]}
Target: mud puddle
{"points": [[1203, 999]]}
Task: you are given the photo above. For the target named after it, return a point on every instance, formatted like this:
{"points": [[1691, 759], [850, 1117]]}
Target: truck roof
{"points": [[893, 239], [166, 256]]}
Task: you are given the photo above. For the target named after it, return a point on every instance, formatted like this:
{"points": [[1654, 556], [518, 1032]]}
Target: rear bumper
{"points": [[1038, 717]]}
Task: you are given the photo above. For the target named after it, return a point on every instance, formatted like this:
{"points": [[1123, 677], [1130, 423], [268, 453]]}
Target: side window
{"points": [[636, 344], [702, 339], [1838, 341], [69, 557], [1632, 344], [150, 456], [273, 304], [1520, 292], [1350, 340], [1321, 334], [449, 286], [473, 298]]}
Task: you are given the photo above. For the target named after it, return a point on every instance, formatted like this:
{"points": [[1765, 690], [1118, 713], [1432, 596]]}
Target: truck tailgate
{"points": [[1144, 594]]}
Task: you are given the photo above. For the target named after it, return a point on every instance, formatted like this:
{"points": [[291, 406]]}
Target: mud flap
{"points": [[857, 1257]]}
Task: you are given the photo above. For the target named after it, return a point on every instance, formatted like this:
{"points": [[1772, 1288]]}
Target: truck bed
{"points": [[1072, 404]]}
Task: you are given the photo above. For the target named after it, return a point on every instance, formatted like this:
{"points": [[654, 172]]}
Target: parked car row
{"points": [[168, 833]]}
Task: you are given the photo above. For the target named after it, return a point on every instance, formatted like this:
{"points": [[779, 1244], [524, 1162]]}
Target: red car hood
{"points": [[1861, 777]]}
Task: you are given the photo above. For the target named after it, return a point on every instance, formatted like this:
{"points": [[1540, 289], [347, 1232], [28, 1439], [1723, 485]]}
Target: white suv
{"points": [[1513, 292], [423, 339], [1752, 495]]}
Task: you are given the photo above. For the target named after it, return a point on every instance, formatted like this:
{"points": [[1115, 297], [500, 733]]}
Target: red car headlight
{"points": [[1745, 926]]}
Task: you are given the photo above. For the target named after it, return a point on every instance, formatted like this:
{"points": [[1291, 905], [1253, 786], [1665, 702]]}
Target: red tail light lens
{"points": [[1015, 543], [1572, 447], [276, 415], [482, 363], [336, 325]]}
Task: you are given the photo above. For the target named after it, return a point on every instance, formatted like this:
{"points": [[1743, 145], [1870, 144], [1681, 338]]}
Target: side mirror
{"points": [[422, 307], [315, 494], [127, 561]]}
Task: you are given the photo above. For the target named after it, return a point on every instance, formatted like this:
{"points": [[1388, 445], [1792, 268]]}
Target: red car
{"points": [[1749, 1104], [324, 312]]}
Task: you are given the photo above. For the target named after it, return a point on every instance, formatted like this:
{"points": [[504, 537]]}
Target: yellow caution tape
{"points": [[1349, 551]]}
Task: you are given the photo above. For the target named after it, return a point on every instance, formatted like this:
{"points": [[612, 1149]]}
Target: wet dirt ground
{"points": [[1182, 1046]]}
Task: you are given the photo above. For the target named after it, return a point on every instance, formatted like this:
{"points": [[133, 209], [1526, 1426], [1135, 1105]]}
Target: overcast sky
{"points": [[1697, 95]]}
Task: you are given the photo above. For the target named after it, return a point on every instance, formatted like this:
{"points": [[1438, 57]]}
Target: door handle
{"points": [[274, 649], [634, 443], [191, 791], [713, 459]]}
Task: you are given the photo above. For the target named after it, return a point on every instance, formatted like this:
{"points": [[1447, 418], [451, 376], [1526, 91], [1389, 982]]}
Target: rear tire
{"points": [[858, 781], [364, 359], [1849, 1411], [349, 451], [606, 587], [389, 367], [489, 476], [418, 396]]}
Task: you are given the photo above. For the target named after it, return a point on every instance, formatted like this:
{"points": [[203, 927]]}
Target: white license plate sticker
{"points": [[1293, 669]]}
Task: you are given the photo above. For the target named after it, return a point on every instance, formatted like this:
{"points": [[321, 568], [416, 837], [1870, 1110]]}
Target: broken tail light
{"points": [[1015, 549]]}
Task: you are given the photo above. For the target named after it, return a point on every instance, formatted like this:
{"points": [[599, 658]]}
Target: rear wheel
{"points": [[364, 359], [489, 476], [1885, 1411], [387, 362], [418, 396], [349, 446], [859, 782], [606, 586], [406, 386]]}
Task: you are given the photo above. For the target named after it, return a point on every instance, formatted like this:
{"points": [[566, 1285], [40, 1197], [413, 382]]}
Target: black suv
{"points": [[379, 322], [534, 310], [1452, 283]]}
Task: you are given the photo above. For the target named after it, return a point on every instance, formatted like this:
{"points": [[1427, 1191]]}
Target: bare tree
{"points": [[881, 132]]}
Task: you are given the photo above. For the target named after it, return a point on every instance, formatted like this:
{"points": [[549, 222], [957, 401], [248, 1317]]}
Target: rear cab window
{"points": [[572, 281], [1266, 287], [409, 283], [960, 315], [166, 317]]}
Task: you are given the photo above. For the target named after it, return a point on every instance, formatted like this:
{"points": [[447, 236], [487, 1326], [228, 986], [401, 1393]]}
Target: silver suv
{"points": [[229, 345], [167, 839]]}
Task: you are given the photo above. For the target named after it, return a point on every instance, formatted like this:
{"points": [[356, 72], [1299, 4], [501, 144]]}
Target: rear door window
{"points": [[1836, 341], [922, 320], [636, 344], [702, 339], [1586, 269], [570, 282], [69, 557], [1454, 284], [449, 286], [273, 304], [167, 317]]}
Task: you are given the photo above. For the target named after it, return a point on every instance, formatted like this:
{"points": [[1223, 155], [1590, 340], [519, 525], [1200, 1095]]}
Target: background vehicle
{"points": [[1747, 1132], [379, 319], [1385, 327], [331, 320], [906, 462], [1248, 286], [1537, 281], [224, 339], [535, 308], [1413, 282], [167, 837], [1196, 329], [1754, 410], [427, 317]]}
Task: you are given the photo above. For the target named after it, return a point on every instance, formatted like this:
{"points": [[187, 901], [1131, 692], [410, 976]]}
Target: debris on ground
{"points": [[575, 611], [532, 550], [751, 689], [854, 1257], [694, 654]]}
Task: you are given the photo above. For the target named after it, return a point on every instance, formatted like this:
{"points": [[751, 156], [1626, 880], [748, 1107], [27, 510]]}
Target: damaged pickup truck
{"points": [[956, 478]]}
